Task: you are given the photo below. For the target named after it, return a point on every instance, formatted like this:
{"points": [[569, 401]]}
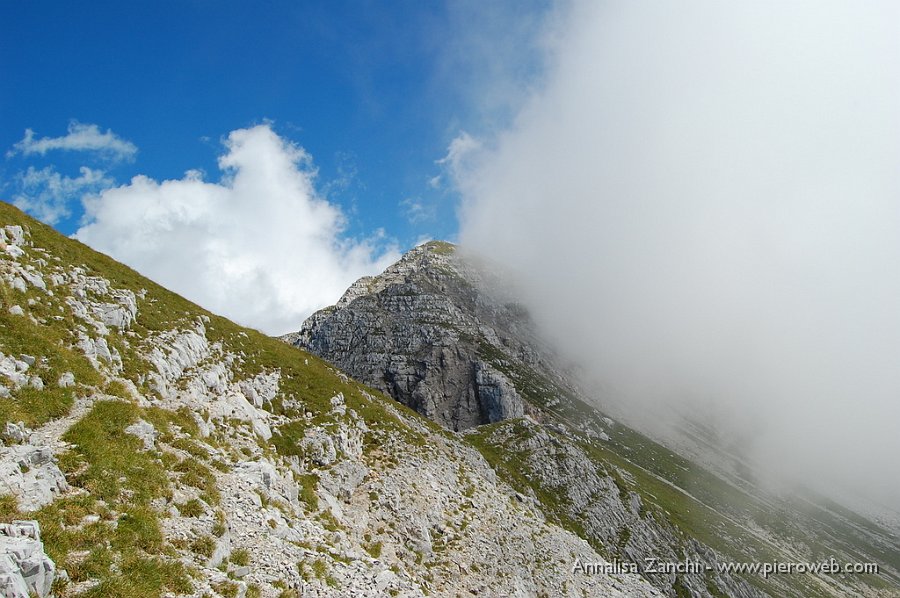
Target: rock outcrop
{"points": [[417, 332], [164, 451], [25, 570], [608, 514]]}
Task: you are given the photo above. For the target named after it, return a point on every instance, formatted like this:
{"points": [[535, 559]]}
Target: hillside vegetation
{"points": [[164, 450]]}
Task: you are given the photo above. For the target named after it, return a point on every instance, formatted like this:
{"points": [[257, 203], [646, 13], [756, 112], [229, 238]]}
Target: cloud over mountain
{"points": [[704, 197], [260, 246]]}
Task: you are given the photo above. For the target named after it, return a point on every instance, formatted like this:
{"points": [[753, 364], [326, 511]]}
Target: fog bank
{"points": [[704, 201]]}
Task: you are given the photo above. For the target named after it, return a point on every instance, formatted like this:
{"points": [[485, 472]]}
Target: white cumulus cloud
{"points": [[260, 246], [47, 194], [80, 137]]}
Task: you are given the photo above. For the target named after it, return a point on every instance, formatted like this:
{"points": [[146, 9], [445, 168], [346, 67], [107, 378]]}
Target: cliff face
{"points": [[431, 333], [418, 332]]}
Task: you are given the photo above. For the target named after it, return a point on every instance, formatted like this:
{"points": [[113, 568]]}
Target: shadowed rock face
{"points": [[419, 331]]}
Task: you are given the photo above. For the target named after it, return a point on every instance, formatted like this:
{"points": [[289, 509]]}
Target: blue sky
{"points": [[373, 91], [256, 157]]}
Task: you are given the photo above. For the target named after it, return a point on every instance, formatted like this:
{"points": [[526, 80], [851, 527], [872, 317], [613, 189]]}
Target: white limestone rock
{"points": [[318, 447], [497, 395], [30, 473], [14, 251], [173, 353], [15, 433], [14, 234], [66, 379], [262, 388], [216, 377], [342, 480], [99, 352], [235, 405], [25, 570], [265, 477], [14, 370], [221, 552], [145, 431], [34, 279]]}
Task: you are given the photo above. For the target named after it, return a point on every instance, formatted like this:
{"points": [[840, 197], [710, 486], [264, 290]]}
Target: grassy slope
{"points": [[142, 558], [112, 479], [696, 501]]}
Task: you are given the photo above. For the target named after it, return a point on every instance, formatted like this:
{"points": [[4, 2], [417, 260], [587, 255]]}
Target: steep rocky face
{"points": [[431, 333], [417, 332]]}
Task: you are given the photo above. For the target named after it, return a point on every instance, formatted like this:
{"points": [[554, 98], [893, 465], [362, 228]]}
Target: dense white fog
{"points": [[703, 199]]}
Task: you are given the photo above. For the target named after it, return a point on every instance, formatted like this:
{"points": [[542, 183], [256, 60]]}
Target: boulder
{"points": [[15, 433], [31, 475], [145, 432], [25, 569], [66, 380], [318, 447]]}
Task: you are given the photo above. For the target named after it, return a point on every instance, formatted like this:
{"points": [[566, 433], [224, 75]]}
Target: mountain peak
{"points": [[419, 330]]}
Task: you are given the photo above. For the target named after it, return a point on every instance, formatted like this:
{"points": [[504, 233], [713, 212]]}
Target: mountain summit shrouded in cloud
{"points": [[703, 197], [642, 338], [260, 246]]}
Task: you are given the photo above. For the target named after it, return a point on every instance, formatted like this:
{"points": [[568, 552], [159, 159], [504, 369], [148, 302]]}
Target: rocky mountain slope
{"points": [[150, 448], [416, 332], [431, 332]]}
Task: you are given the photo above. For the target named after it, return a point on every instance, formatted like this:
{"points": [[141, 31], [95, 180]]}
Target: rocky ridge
{"points": [[432, 332], [163, 450], [415, 332]]}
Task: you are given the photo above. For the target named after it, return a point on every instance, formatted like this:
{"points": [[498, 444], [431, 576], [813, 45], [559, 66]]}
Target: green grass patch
{"points": [[143, 577], [109, 461], [138, 528], [511, 466], [114, 460], [374, 549], [53, 342], [240, 557], [125, 548], [191, 508], [205, 546], [441, 247], [195, 473], [308, 484], [226, 589]]}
